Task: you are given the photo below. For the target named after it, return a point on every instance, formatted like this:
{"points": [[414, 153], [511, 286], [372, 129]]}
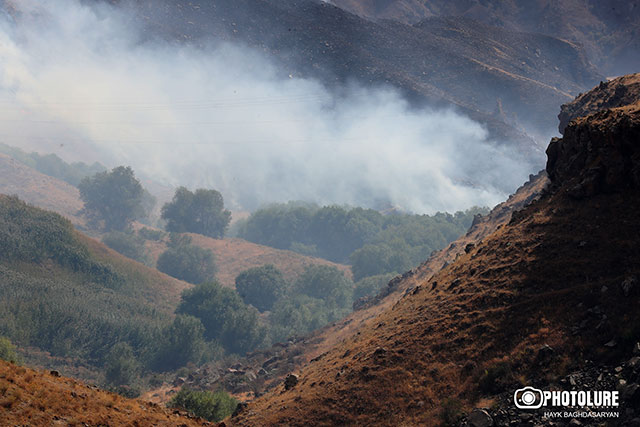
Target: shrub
{"points": [[226, 318], [8, 351], [182, 342], [326, 283], [189, 263], [210, 406], [298, 315], [121, 367], [261, 286], [199, 212]]}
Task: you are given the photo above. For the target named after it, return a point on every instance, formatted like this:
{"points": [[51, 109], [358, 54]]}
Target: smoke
{"points": [[79, 80]]}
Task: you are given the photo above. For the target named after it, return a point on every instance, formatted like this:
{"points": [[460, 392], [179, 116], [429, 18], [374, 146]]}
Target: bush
{"points": [[371, 286], [8, 351], [121, 366], [210, 406], [126, 244], [201, 212], [325, 283], [115, 197], [298, 315], [226, 318], [182, 342], [189, 263], [261, 286]]}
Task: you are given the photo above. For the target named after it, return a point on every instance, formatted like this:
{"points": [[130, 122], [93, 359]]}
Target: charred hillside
{"points": [[548, 300], [607, 30], [444, 64]]}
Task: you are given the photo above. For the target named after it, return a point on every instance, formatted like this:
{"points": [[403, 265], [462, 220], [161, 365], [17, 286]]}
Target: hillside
{"points": [[70, 296], [265, 369], [40, 190], [234, 256], [559, 280], [314, 39], [39, 398], [608, 30]]}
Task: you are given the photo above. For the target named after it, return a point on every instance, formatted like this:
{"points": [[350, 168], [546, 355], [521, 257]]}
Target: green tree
{"points": [[261, 286], [225, 316], [121, 366], [201, 212], [113, 197], [8, 351], [188, 262], [298, 315], [204, 404], [182, 342], [326, 283]]}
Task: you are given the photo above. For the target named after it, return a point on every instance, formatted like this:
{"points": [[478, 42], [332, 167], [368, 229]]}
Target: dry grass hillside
{"points": [[38, 398], [40, 190], [563, 274], [236, 255]]}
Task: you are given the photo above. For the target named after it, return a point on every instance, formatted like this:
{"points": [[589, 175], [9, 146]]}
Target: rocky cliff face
{"points": [[616, 93], [599, 153]]}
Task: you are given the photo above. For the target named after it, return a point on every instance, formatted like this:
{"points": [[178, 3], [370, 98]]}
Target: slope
{"points": [[37, 398], [69, 295], [313, 38], [562, 273], [607, 30], [41, 190], [233, 256]]}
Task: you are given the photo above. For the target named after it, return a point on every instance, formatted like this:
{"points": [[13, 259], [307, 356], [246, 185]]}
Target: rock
{"points": [[545, 352], [179, 381], [604, 289], [480, 418], [241, 407], [634, 362], [54, 373], [612, 343], [290, 381], [636, 348], [574, 422], [469, 247], [628, 285]]}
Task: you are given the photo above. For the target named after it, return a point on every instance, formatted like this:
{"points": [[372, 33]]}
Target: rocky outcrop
{"points": [[616, 93], [598, 154]]}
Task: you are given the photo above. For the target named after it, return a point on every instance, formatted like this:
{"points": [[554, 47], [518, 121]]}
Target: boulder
{"points": [[290, 381], [480, 418]]}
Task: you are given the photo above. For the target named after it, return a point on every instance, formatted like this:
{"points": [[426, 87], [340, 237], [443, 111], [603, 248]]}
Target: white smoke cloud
{"points": [[78, 81]]}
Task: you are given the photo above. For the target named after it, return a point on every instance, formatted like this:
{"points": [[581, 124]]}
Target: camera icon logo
{"points": [[528, 398]]}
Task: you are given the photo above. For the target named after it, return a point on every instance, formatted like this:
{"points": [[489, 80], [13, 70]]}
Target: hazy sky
{"points": [[78, 81]]}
